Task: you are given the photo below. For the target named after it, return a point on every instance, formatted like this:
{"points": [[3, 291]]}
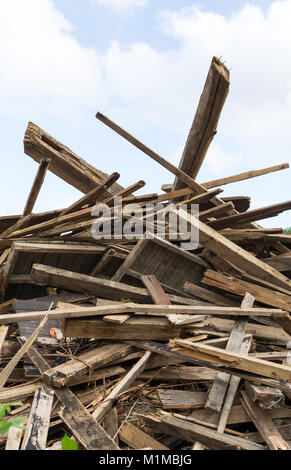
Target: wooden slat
{"points": [[206, 119], [236, 360], [39, 420], [244, 176], [264, 424], [36, 186], [219, 387], [138, 439]]}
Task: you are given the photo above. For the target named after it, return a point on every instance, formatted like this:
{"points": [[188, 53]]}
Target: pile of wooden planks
{"points": [[136, 342]]}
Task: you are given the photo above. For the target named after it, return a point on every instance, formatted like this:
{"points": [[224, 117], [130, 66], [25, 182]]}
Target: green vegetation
{"points": [[5, 425], [69, 444], [288, 230]]}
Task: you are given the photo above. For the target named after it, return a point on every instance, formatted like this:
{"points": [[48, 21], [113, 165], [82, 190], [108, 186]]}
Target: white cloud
{"points": [[121, 5], [42, 65], [45, 69]]}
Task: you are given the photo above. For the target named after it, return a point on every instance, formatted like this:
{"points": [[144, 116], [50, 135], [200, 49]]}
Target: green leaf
{"points": [[6, 408], [6, 425], [69, 444], [2, 411]]}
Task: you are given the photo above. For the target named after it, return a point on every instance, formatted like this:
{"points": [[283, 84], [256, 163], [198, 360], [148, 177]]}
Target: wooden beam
{"points": [[244, 176], [236, 360], [232, 390], [184, 429], [36, 432], [64, 163], [138, 439], [266, 397], [36, 186], [206, 119], [264, 424], [64, 374], [162, 161], [250, 216]]}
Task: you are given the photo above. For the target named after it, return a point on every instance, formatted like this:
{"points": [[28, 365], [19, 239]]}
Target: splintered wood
{"points": [[172, 339]]}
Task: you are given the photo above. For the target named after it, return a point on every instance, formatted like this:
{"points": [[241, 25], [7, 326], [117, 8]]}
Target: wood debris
{"points": [[126, 342]]}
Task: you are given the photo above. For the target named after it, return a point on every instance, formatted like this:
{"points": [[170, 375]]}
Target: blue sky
{"points": [[144, 63]]}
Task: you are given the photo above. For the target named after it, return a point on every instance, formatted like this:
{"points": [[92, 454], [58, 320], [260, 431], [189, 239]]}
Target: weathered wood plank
{"points": [[206, 119], [39, 420], [138, 439], [219, 387], [64, 163], [264, 424]]}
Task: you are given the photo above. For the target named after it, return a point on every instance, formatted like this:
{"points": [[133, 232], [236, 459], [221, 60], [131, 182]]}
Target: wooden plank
{"points": [[162, 161], [281, 262], [134, 328], [265, 397], [264, 424], [14, 438], [64, 374], [180, 374], [191, 432], [103, 262], [36, 432], [119, 319], [110, 424], [155, 289], [17, 393], [232, 390], [45, 275], [181, 400], [129, 260], [239, 287], [3, 333], [143, 310], [36, 186], [64, 163], [243, 260], [216, 211], [219, 387], [236, 360], [244, 176], [250, 216], [125, 383], [210, 296], [206, 119], [138, 439], [125, 192], [284, 320]]}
